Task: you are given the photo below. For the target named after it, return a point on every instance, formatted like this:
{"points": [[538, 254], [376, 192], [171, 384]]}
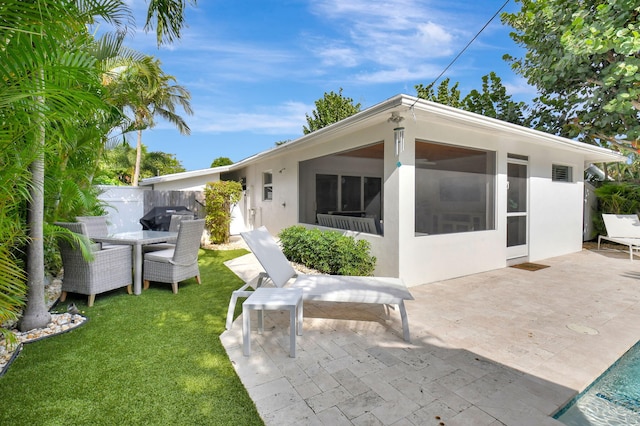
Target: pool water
{"points": [[613, 399]]}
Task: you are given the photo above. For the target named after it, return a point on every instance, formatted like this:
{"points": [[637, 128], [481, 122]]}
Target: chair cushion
{"points": [[160, 255]]}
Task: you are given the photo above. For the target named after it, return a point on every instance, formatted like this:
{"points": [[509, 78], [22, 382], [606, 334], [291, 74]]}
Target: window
{"points": [[356, 195], [326, 193], [267, 186], [455, 189], [561, 173]]}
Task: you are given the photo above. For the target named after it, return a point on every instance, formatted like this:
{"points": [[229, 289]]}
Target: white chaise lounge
{"points": [[327, 288], [622, 229]]}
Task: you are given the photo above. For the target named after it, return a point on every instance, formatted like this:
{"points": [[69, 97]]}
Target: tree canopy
{"points": [[145, 91], [332, 108], [491, 101], [221, 161], [583, 57], [54, 110]]}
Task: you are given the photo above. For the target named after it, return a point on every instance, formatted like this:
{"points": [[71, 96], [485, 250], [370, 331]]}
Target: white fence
{"points": [[125, 207]]}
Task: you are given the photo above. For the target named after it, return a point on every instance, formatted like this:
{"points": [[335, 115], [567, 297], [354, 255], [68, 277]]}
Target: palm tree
{"points": [[167, 16], [47, 77], [145, 91]]}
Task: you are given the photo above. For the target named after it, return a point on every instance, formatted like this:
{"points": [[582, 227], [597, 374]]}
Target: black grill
{"points": [[158, 218]]}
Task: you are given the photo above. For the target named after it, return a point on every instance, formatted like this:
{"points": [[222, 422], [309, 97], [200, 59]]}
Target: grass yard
{"points": [[154, 359]]}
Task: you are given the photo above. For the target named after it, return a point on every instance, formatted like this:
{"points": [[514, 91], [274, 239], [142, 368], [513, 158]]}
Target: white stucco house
{"points": [[452, 192]]}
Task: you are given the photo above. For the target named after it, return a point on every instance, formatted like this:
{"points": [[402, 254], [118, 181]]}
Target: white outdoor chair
{"points": [[622, 229], [173, 265], [326, 288]]}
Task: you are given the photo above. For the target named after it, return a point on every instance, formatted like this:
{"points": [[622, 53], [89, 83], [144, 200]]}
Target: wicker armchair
{"points": [[173, 265], [109, 269], [174, 226], [97, 227]]}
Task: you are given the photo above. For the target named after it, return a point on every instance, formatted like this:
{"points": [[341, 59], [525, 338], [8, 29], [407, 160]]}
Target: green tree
{"points": [[583, 57], [221, 161], [50, 84], [157, 163], [219, 199], [167, 17], [118, 163], [332, 108], [446, 95], [145, 91], [493, 101]]}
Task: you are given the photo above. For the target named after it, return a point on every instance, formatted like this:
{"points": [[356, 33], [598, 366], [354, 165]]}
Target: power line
{"points": [[467, 46]]}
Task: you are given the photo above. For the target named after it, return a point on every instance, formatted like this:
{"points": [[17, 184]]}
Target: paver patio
{"points": [[502, 347]]}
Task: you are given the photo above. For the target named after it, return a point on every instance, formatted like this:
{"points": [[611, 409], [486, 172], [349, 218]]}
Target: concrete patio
{"points": [[508, 346]]}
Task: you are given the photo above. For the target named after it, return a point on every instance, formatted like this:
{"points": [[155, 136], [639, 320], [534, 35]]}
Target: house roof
{"points": [[183, 175], [412, 108]]}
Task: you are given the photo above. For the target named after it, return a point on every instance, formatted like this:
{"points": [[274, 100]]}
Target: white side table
{"points": [[275, 299]]}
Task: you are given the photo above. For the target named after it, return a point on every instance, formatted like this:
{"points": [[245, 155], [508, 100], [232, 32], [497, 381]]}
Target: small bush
{"points": [[619, 197], [616, 198], [220, 197], [327, 251]]}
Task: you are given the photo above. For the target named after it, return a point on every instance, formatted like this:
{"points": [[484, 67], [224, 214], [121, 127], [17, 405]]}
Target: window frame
{"points": [[267, 187], [452, 194]]}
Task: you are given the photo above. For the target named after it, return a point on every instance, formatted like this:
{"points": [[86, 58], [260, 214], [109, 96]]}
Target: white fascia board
{"points": [[409, 107], [183, 175], [592, 153], [359, 119]]}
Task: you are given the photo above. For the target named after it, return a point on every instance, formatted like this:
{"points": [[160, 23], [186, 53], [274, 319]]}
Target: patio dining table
{"points": [[137, 239]]}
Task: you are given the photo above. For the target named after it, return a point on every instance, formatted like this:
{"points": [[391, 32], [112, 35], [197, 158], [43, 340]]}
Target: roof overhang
{"points": [[412, 108], [183, 175]]}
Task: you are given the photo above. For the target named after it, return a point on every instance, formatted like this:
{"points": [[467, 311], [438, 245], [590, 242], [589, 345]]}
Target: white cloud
{"points": [[283, 119], [401, 38], [401, 73], [433, 35], [338, 56]]}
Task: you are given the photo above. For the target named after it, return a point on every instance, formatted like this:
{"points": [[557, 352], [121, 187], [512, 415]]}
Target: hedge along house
{"points": [[451, 192]]}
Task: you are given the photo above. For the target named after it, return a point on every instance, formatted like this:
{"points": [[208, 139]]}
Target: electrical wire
{"points": [[466, 47]]}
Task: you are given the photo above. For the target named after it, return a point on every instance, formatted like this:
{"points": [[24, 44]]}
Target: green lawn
{"points": [[154, 359]]}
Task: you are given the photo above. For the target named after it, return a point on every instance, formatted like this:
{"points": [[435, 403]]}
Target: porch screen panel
{"points": [[351, 194], [373, 196], [326, 193], [455, 189]]}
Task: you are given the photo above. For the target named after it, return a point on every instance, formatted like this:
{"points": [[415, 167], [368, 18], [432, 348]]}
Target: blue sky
{"points": [[255, 67]]}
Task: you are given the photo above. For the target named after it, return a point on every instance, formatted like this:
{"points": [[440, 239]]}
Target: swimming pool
{"points": [[613, 399]]}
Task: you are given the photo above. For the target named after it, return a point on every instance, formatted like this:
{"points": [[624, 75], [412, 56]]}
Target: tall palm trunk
{"points": [[36, 314], [136, 170]]}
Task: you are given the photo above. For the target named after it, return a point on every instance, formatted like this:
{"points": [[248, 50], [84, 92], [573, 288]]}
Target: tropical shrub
{"points": [[329, 252], [616, 198], [220, 197]]}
